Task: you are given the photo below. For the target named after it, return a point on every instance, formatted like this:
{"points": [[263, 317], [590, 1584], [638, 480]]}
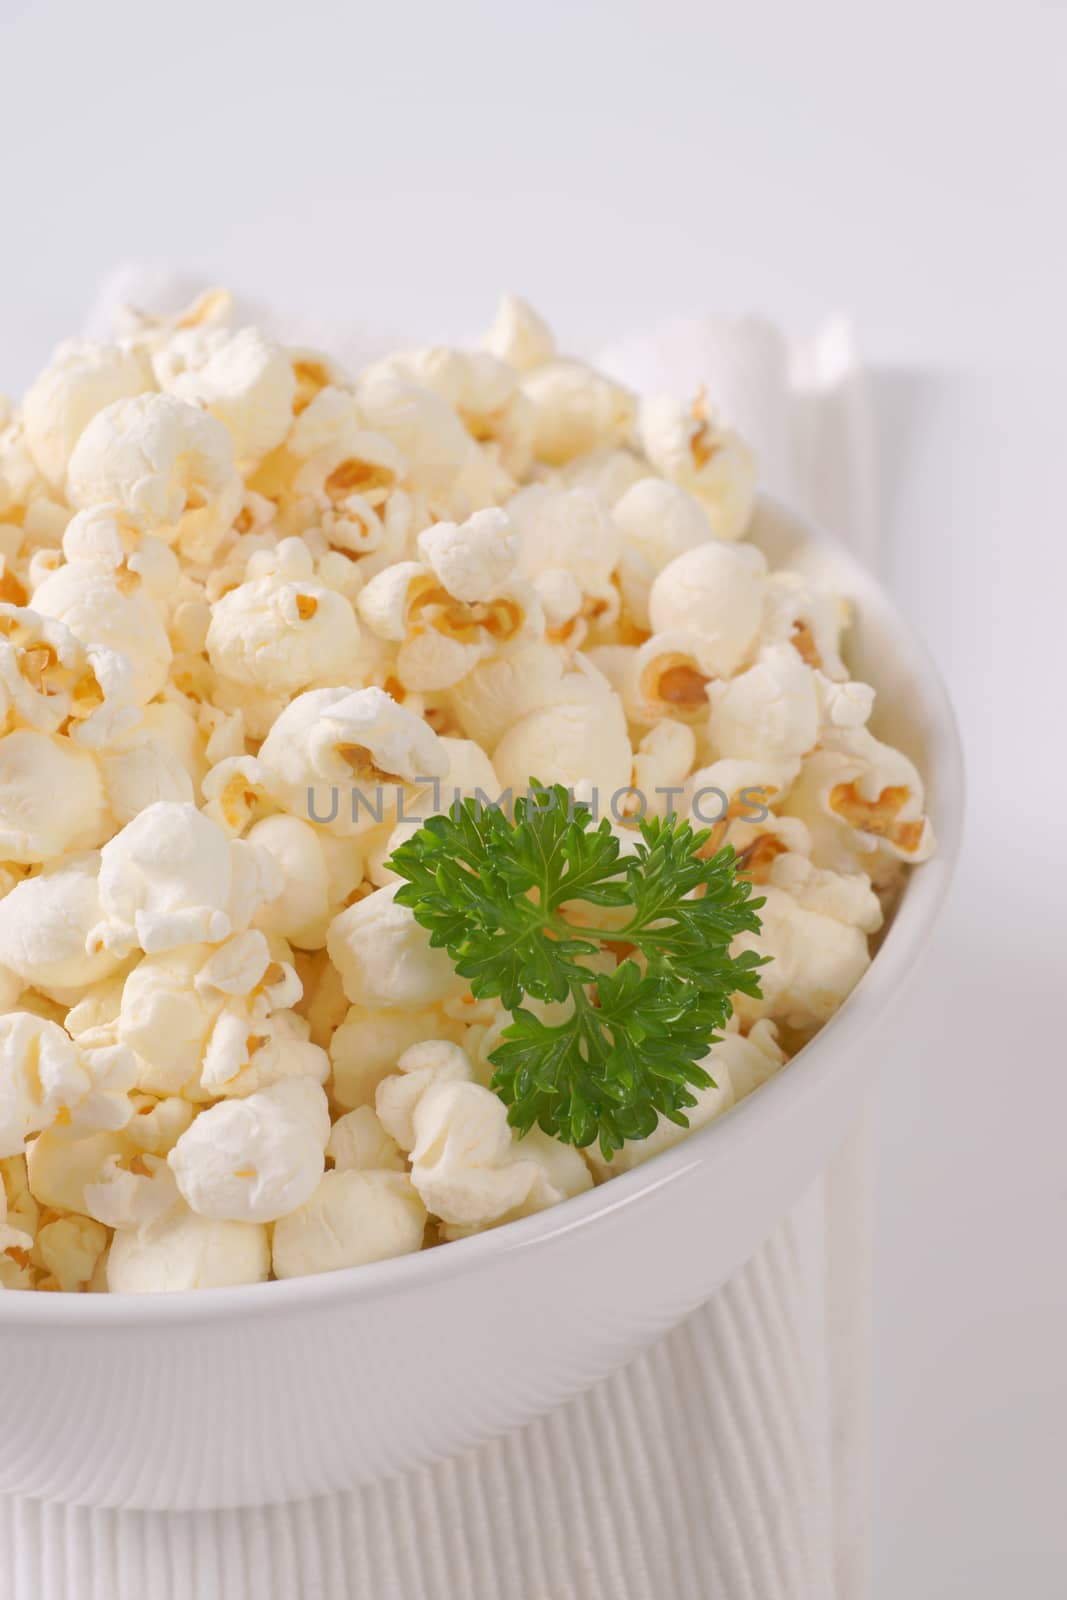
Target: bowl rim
{"points": [[726, 1139]]}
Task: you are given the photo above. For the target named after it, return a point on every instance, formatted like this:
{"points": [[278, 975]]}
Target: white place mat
{"points": [[730, 1461]]}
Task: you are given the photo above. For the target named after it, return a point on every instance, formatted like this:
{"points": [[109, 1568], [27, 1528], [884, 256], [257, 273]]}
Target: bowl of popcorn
{"points": [[456, 835]]}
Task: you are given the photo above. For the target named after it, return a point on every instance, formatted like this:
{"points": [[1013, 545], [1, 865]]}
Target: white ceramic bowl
{"points": [[283, 1390]]}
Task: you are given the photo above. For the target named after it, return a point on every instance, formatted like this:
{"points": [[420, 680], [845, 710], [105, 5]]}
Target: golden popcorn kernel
{"points": [[357, 477], [311, 378], [878, 817], [803, 643], [363, 766]]}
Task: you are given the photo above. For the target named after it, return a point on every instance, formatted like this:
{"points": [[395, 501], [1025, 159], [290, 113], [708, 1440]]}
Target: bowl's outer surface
{"points": [[280, 1391]]}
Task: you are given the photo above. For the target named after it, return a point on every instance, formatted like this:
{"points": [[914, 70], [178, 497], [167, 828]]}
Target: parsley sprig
{"points": [[516, 902]]}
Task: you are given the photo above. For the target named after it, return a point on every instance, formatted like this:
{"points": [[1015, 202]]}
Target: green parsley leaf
{"points": [[527, 909]]}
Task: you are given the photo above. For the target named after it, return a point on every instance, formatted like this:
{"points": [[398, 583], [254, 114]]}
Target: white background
{"points": [[623, 163]]}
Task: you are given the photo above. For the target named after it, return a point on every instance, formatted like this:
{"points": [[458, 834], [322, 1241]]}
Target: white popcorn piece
{"points": [[570, 531], [508, 686], [352, 1218], [187, 1251], [430, 1061], [716, 591], [471, 559], [70, 1250], [301, 912], [171, 877], [282, 630], [166, 465], [519, 336], [569, 744], [687, 447], [732, 791], [471, 1170], [97, 611], [658, 521], [771, 712], [243, 379], [359, 1143], [576, 410], [662, 762], [58, 1168], [816, 961], [255, 1159], [47, 1081], [483, 391], [79, 381], [51, 682], [847, 897], [45, 923], [369, 1044], [51, 797], [131, 1191], [216, 1020], [808, 616], [144, 768], [385, 958], [862, 801], [608, 474], [668, 676], [338, 757], [435, 446]]}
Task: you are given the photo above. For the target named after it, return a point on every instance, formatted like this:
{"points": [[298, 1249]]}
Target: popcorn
{"points": [[92, 603], [371, 1041], [471, 559], [301, 911], [576, 410], [658, 521], [770, 712], [257, 1159], [166, 465], [816, 961], [259, 620], [45, 923], [519, 336], [528, 677], [385, 958], [568, 532], [332, 753], [417, 1070], [187, 1251], [70, 1249], [47, 1081], [668, 676], [243, 379], [352, 1218], [472, 1171], [861, 801], [216, 1021], [807, 616], [52, 798], [283, 630], [568, 744], [359, 1143], [425, 430], [81, 380], [442, 638], [715, 591], [171, 877], [687, 447]]}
